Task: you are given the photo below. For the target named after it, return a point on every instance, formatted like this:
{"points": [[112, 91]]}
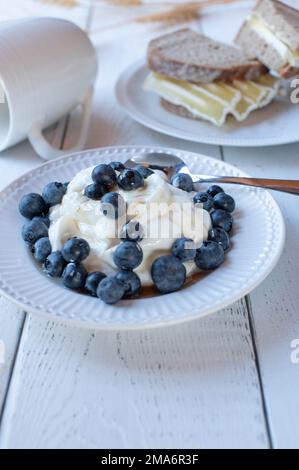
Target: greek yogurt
{"points": [[79, 216]]}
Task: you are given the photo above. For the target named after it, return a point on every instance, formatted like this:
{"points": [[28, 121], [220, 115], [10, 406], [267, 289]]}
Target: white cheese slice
{"points": [[264, 31], [215, 101]]}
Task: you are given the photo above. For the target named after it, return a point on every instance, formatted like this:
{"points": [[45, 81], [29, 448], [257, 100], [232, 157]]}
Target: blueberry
{"points": [[74, 276], [66, 184], [145, 172], [113, 205], [132, 231], [53, 193], [130, 179], [182, 181], [205, 199], [33, 230], [75, 249], [220, 236], [117, 166], [95, 191], [104, 174], [42, 249], [131, 282], [209, 256], [225, 202], [214, 189], [184, 249], [168, 274], [32, 205], [44, 219], [222, 219], [110, 290], [54, 264], [128, 255], [92, 282]]}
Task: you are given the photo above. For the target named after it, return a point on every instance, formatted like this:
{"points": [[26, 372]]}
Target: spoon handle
{"points": [[287, 186]]}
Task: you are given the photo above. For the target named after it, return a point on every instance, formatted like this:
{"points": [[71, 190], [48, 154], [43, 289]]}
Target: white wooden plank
{"points": [[11, 322], [275, 302], [29, 8], [193, 385]]}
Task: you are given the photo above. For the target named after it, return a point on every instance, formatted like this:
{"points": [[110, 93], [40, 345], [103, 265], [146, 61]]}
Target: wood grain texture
{"points": [[193, 385], [274, 304], [11, 323], [13, 163]]}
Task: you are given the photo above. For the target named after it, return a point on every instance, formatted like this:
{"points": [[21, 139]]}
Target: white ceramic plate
{"points": [[276, 124], [256, 246]]}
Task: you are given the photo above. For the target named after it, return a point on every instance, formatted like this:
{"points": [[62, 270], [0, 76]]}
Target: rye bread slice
{"points": [[192, 57], [284, 20]]}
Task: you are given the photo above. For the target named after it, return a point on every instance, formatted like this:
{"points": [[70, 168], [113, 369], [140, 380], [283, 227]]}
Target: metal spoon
{"points": [[171, 165]]}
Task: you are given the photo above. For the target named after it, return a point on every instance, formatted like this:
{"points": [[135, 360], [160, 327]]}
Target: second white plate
{"points": [[274, 125]]}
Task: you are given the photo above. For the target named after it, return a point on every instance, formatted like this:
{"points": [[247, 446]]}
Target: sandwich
{"points": [[271, 33], [199, 78]]}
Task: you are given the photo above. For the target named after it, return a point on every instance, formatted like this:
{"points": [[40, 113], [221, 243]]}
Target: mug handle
{"points": [[45, 150]]}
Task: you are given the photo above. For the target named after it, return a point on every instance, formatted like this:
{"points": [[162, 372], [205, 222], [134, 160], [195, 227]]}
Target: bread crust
{"points": [[162, 59], [251, 42]]}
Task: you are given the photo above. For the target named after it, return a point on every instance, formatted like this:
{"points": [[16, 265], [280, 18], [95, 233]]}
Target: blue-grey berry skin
{"points": [[128, 255], [32, 205], [222, 219], [131, 282], [168, 274], [220, 236], [209, 256], [53, 193], [75, 249], [132, 231], [44, 219], [184, 249], [182, 181], [92, 282], [42, 249], [113, 205], [224, 201], [117, 166], [110, 290], [214, 189], [54, 264], [130, 179], [74, 276], [34, 230], [104, 174], [205, 199], [95, 191], [144, 171]]}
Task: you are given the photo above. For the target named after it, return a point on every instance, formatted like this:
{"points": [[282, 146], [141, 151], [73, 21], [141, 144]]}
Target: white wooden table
{"points": [[224, 381]]}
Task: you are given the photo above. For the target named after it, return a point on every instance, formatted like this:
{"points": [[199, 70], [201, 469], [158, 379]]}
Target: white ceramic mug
{"points": [[47, 67]]}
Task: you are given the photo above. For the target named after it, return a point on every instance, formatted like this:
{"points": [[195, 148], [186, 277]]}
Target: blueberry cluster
{"points": [[168, 272], [67, 263], [35, 207], [104, 178]]}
